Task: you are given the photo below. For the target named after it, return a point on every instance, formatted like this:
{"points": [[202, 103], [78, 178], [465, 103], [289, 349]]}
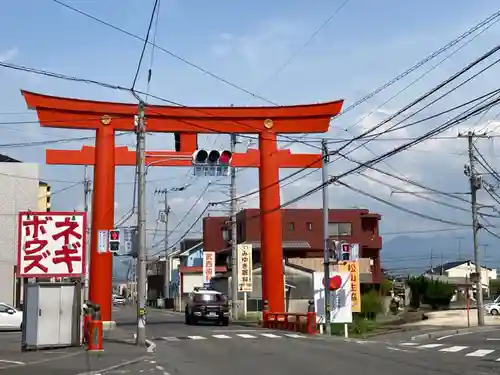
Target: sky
{"points": [[289, 52]]}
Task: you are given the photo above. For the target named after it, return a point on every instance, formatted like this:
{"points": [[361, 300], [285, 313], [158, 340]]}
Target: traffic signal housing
{"points": [[114, 240], [346, 251], [212, 157]]}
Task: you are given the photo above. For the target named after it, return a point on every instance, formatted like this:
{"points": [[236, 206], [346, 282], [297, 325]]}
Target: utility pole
{"points": [[86, 190], [234, 237], [475, 184], [164, 219], [141, 221], [324, 170]]}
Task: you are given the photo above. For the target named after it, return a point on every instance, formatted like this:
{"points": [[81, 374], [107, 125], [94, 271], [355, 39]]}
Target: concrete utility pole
{"points": [[87, 190], [324, 170], [475, 184], [141, 221], [234, 237], [164, 218]]}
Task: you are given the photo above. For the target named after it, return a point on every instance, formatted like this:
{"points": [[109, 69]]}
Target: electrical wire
{"points": [[146, 42], [172, 54]]}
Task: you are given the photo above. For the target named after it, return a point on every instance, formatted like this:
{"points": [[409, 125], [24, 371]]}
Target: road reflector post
{"points": [[95, 340]]}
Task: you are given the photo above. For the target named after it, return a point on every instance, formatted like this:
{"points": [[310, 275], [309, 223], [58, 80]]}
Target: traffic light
{"points": [[114, 240], [346, 251], [213, 157]]}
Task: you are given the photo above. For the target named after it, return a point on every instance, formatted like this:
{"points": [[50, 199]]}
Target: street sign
{"points": [[127, 239], [51, 244], [102, 241]]}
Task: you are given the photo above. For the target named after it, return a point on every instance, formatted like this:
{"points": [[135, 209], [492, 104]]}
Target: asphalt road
{"points": [[211, 350]]}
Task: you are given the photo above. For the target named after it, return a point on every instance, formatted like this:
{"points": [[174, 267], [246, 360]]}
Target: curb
{"points": [[456, 331], [114, 367]]}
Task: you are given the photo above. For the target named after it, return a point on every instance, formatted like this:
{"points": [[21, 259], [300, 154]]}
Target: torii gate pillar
{"points": [[271, 251], [103, 204]]}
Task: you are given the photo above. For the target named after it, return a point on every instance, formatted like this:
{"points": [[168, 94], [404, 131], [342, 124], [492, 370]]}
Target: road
{"points": [[211, 350], [186, 350]]}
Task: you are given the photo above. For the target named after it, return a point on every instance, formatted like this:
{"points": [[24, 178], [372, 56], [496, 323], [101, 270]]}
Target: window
{"points": [[339, 229], [309, 226], [4, 308], [208, 297], [290, 226]]}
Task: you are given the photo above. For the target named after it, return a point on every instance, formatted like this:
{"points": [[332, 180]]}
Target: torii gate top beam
{"points": [[57, 112]]}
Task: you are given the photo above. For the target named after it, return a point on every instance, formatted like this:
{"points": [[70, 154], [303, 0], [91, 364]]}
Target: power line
{"points": [[172, 54], [146, 41]]}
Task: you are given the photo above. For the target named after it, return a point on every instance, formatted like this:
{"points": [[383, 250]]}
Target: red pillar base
{"points": [[273, 286]]}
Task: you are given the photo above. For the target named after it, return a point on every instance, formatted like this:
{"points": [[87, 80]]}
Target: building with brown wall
{"points": [[302, 237]]}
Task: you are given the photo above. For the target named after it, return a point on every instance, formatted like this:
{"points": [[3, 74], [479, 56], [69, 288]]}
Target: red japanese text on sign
{"points": [[208, 266], [51, 244]]}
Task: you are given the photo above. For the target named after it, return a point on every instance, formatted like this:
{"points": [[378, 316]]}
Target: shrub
{"points": [[371, 305]]}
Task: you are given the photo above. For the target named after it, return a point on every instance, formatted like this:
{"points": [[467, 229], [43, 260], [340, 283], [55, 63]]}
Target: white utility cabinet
{"points": [[51, 315]]}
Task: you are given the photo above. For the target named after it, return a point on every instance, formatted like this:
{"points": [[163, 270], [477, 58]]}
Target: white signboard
{"points": [[102, 241], [208, 266], [51, 244], [340, 300], [127, 239], [245, 268]]}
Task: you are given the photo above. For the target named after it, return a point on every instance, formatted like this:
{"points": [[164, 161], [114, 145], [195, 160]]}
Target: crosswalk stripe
{"points": [[197, 337], [453, 349], [430, 346], [171, 338], [245, 336], [270, 335], [293, 335], [221, 336], [409, 344], [479, 353]]}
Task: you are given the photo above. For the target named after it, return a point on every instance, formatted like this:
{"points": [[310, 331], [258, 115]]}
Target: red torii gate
{"points": [[106, 118]]}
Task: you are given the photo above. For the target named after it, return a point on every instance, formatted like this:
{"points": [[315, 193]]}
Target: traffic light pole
{"points": [[324, 170], [141, 220], [234, 238]]}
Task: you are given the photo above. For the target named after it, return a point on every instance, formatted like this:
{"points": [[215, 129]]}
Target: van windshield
{"points": [[208, 297]]}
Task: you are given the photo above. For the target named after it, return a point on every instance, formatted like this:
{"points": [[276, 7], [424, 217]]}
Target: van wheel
{"points": [[494, 312]]}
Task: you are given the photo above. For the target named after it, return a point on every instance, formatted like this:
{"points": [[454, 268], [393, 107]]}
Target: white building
{"points": [[459, 273], [19, 191]]}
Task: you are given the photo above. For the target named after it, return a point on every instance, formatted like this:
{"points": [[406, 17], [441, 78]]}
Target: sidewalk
{"points": [[119, 350]]}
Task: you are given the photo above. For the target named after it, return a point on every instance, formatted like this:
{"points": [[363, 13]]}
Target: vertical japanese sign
{"points": [[245, 268], [208, 266], [51, 244], [353, 268]]}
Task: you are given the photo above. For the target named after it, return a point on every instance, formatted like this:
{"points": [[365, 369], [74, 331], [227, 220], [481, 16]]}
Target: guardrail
{"points": [[303, 323]]}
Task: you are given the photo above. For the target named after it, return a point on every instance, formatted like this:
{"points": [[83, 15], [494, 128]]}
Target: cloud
{"points": [[9, 55]]}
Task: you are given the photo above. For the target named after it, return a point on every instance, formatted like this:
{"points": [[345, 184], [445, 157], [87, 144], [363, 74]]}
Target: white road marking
{"points": [[270, 335], [12, 362], [221, 336], [293, 335], [245, 336], [453, 349], [197, 337], [430, 346], [170, 338], [480, 353], [493, 338], [409, 344]]}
